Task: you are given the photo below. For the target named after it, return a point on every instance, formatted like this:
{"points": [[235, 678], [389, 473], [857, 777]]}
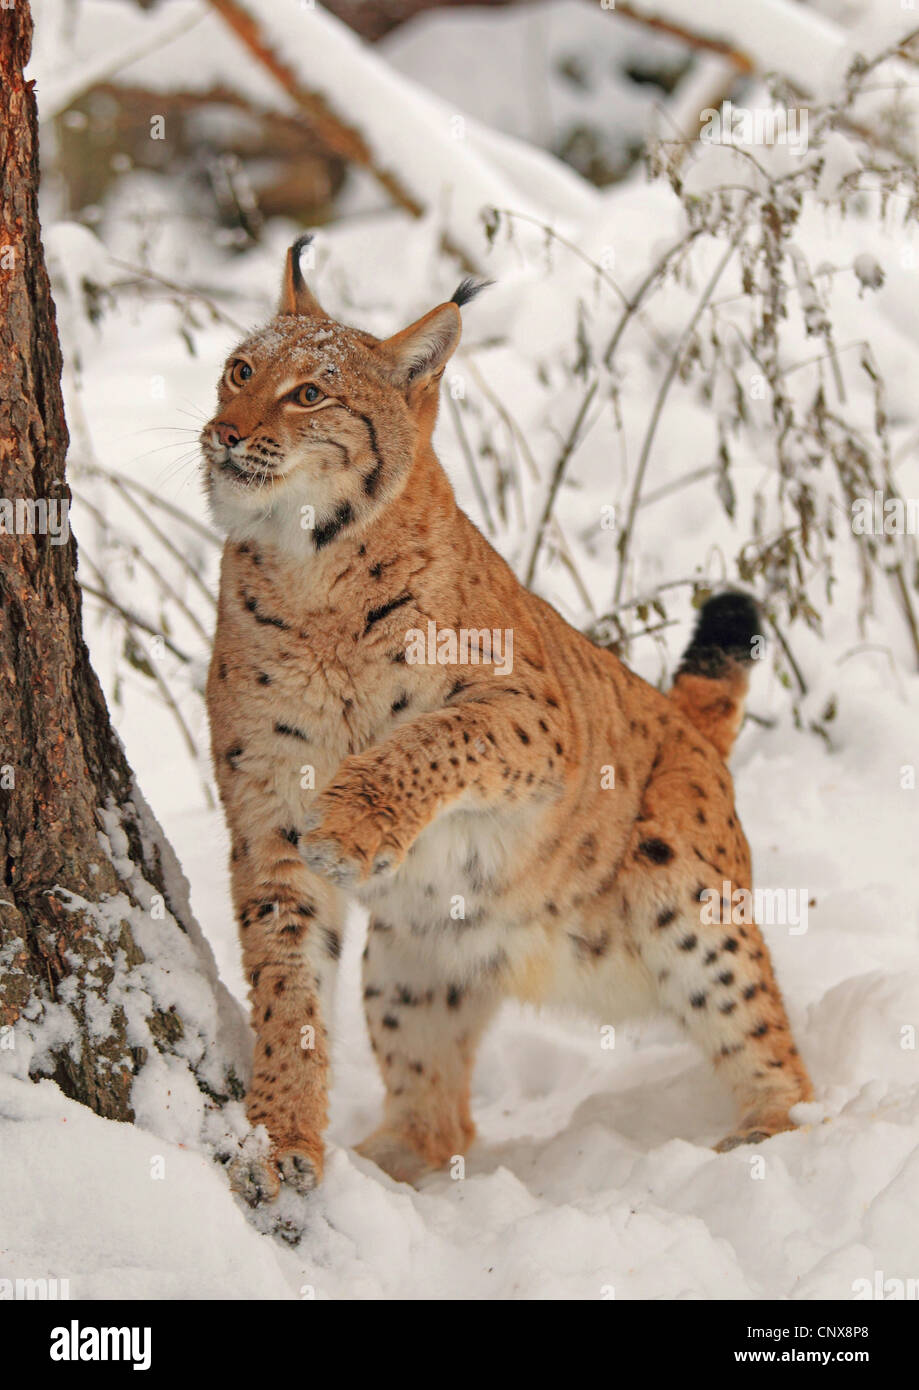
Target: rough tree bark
{"points": [[83, 867]]}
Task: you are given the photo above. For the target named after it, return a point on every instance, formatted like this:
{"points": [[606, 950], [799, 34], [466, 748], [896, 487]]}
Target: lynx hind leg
{"points": [[290, 930], [424, 1029], [716, 977]]}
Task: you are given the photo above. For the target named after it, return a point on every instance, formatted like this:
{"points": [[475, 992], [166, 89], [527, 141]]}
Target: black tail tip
{"points": [[468, 289], [725, 631]]}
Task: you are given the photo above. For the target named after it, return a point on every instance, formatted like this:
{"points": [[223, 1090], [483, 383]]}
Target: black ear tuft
{"points": [[296, 251], [468, 289]]}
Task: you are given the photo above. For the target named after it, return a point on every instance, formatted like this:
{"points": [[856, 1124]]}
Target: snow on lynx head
{"points": [[317, 424]]}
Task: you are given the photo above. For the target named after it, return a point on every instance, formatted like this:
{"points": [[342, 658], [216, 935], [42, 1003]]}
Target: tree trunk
{"points": [[85, 873]]}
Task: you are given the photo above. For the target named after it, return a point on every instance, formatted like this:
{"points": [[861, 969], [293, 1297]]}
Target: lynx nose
{"points": [[227, 434]]}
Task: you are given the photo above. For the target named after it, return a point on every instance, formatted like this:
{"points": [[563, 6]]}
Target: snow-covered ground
{"points": [[593, 1175], [593, 1169]]}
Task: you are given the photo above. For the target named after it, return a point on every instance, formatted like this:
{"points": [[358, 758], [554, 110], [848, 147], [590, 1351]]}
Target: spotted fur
{"points": [[471, 811]]}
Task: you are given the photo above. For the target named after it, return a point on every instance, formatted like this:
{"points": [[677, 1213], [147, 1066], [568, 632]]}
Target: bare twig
{"points": [[877, 648], [909, 612], [646, 600], [164, 540], [95, 470], [669, 377], [742, 61], [686, 480], [568, 560], [558, 474], [161, 582], [133, 620], [789, 654], [630, 637], [466, 448], [143, 274], [515, 431], [103, 593], [634, 303], [630, 305]]}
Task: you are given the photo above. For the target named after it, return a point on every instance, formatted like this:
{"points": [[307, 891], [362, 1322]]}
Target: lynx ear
{"points": [[422, 350], [296, 298]]}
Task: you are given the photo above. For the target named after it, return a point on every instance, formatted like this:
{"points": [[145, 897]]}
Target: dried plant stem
{"points": [[568, 560], [571, 246], [167, 544], [105, 595], [625, 539], [789, 654], [694, 476], [630, 305], [143, 275], [909, 612], [630, 637], [138, 555], [645, 600], [464, 444], [132, 619], [95, 470], [557, 475], [516, 432], [634, 303]]}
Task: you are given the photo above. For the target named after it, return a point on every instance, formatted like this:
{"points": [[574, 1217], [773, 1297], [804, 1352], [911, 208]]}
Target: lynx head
{"points": [[317, 425]]}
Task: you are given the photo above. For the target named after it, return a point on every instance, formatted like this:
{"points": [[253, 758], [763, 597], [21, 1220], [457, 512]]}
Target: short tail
{"points": [[713, 677]]}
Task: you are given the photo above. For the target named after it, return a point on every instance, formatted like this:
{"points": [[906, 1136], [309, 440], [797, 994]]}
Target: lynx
{"points": [[544, 831]]}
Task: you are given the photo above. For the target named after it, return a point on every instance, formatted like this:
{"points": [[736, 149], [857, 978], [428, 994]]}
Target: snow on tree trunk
{"points": [[105, 981]]}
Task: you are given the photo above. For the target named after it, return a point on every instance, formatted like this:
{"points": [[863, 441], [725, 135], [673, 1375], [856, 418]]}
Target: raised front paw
{"points": [[350, 833]]}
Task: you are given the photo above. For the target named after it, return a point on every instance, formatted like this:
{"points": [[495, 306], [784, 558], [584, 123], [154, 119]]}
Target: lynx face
{"points": [[306, 418], [317, 424]]}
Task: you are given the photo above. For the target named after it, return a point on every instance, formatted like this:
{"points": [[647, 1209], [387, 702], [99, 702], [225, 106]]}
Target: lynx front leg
{"points": [[290, 930], [424, 1029], [494, 750]]}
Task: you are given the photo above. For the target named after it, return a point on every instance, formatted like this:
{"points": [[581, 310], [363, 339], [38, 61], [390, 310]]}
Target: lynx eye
{"points": [[306, 395], [238, 372]]}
